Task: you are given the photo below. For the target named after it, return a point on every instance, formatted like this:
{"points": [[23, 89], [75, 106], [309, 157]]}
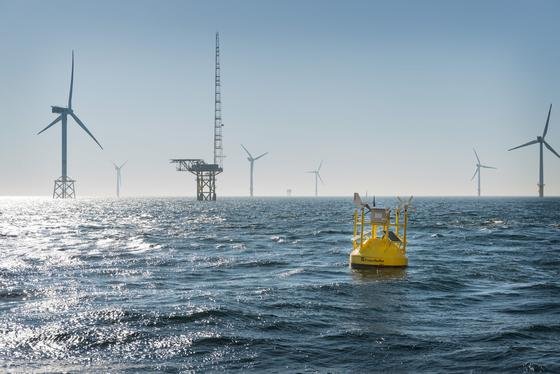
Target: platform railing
{"points": [[360, 236]]}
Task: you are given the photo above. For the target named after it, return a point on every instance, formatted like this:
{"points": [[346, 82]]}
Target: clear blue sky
{"points": [[391, 95]]}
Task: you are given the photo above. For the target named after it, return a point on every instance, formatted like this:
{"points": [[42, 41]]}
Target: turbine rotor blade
{"points": [[319, 168], [51, 124], [71, 83], [319, 175], [404, 203], [85, 128], [523, 145], [487, 167], [547, 120], [360, 204], [476, 171], [264, 154], [476, 155], [550, 148], [251, 156], [124, 163], [357, 200]]}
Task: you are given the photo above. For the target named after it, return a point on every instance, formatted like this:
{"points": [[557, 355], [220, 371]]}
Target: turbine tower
{"points": [[477, 171], [317, 176], [541, 141], [252, 160], [64, 186], [119, 180]]}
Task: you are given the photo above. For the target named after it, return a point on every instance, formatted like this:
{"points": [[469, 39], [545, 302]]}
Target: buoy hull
{"points": [[378, 252]]}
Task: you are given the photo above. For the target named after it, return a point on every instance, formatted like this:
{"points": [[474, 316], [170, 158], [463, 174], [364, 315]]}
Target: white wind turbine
{"points": [[119, 180], [477, 171], [64, 186], [252, 160], [317, 176], [541, 141]]}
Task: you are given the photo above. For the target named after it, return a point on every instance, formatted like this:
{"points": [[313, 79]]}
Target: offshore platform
{"points": [[206, 173]]}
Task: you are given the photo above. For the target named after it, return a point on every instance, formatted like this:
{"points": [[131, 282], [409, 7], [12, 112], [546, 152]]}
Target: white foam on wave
{"points": [[289, 273]]}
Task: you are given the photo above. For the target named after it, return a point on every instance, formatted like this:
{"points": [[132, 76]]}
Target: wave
{"points": [[529, 332], [533, 308], [539, 286], [13, 294], [262, 263], [150, 284]]}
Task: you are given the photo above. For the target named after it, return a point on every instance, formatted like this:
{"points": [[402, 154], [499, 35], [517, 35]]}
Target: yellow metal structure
{"points": [[379, 242]]}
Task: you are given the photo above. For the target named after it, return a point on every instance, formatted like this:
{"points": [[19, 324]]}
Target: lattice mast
{"points": [[218, 146], [206, 173]]}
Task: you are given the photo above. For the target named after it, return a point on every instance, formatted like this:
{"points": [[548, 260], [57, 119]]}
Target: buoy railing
{"points": [[360, 236]]}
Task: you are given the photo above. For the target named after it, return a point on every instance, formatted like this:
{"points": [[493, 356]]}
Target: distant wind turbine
{"points": [[119, 180], [477, 171], [541, 141], [317, 176], [252, 160], [64, 186]]}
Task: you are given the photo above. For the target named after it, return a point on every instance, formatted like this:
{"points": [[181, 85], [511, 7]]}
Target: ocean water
{"points": [[264, 285]]}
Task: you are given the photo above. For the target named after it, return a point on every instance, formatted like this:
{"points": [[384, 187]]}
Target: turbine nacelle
{"points": [[60, 110]]}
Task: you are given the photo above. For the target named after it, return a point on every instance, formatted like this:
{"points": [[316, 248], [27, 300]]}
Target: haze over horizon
{"points": [[392, 96]]}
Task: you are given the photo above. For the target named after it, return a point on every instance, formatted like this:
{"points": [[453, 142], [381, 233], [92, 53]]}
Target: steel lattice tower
{"points": [[206, 173], [218, 149]]}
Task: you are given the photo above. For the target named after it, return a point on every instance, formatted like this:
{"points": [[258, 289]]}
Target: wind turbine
{"points": [[252, 160], [64, 186], [541, 141], [317, 176], [477, 171], [119, 180]]}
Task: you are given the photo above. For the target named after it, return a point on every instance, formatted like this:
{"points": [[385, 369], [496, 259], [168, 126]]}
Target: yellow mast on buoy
{"points": [[385, 243]]}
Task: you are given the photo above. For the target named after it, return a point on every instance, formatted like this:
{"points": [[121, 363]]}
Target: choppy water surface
{"points": [[264, 285]]}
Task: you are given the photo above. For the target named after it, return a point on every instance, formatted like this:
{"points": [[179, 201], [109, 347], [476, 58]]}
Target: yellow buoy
{"points": [[384, 244]]}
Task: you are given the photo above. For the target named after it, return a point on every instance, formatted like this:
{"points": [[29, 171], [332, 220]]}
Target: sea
{"points": [[263, 285]]}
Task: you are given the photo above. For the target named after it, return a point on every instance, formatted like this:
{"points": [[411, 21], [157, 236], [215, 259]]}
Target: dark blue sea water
{"points": [[264, 285]]}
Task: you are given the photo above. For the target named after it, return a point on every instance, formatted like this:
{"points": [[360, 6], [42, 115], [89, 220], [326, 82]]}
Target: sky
{"points": [[391, 95]]}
